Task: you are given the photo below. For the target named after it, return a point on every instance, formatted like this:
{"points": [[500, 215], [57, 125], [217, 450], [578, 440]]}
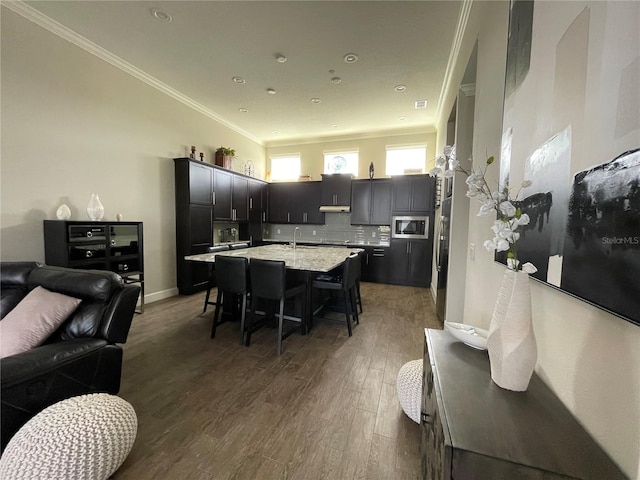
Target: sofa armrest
{"points": [[34, 380], [119, 315], [39, 361]]}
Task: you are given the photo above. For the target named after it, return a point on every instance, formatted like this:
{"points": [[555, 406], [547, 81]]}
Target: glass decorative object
{"points": [[95, 210]]}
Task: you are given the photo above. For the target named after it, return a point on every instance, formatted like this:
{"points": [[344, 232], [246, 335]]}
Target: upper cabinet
{"points": [[295, 202], [371, 202], [413, 194], [200, 182], [231, 196], [336, 190]]}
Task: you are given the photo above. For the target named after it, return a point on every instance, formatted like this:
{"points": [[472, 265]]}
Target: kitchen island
{"points": [[303, 260]]}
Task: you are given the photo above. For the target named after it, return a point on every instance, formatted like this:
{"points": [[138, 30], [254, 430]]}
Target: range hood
{"points": [[335, 208]]}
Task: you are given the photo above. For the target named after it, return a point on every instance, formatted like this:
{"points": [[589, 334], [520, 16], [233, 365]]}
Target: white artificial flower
{"points": [[449, 173], [501, 245], [441, 162], [529, 268], [523, 220], [512, 263], [452, 153], [499, 196], [434, 172], [453, 163], [489, 245], [507, 208], [486, 208], [476, 180], [447, 150]]}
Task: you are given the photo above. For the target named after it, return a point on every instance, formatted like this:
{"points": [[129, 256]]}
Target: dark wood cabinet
{"points": [[471, 428], [413, 194], [114, 246], [376, 264], [201, 179], [371, 202], [411, 262], [295, 202], [257, 199], [336, 190], [231, 196], [240, 199], [205, 193]]}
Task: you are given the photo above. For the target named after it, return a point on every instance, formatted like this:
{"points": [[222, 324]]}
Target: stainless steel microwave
{"points": [[410, 227]]}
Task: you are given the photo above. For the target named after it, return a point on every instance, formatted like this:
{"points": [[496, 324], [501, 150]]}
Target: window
{"points": [[406, 159], [285, 167], [341, 162]]}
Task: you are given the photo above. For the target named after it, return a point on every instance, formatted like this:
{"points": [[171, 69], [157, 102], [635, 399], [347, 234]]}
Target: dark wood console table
{"points": [[473, 429]]}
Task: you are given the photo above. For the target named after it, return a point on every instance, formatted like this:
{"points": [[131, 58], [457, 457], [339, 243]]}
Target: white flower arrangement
{"points": [[509, 217]]}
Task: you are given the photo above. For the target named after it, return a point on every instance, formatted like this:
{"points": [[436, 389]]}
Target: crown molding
{"points": [[357, 136], [69, 35], [465, 11]]}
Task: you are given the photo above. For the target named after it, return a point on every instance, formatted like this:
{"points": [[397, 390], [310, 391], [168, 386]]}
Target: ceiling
{"points": [[207, 43]]}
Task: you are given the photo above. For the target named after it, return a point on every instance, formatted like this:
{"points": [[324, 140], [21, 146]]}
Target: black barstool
{"points": [[231, 274], [211, 283], [269, 282], [346, 285], [357, 266]]}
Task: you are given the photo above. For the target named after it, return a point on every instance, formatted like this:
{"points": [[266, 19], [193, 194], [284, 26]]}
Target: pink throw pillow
{"points": [[33, 320]]}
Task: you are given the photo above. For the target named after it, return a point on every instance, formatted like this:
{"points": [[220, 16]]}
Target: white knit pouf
{"points": [[409, 387], [86, 437]]}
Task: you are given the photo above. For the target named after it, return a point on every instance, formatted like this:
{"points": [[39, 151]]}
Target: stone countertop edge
{"points": [[329, 243]]}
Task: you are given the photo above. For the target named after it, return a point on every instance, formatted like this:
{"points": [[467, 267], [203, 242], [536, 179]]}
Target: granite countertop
{"points": [[315, 259], [331, 242]]}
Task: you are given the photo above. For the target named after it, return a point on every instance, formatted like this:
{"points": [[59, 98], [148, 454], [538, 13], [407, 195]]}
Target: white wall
{"points": [[370, 148], [590, 358], [73, 124]]}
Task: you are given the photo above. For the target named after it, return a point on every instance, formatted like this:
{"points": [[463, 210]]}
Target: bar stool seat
{"points": [[269, 282], [231, 275], [212, 275], [346, 286]]}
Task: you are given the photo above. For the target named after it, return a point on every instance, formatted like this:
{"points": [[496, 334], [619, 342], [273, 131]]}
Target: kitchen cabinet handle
{"points": [[264, 216], [288, 217], [367, 261], [251, 203], [378, 254], [213, 198], [409, 248]]}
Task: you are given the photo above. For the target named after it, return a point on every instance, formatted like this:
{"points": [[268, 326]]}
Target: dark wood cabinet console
{"points": [[473, 429], [115, 246]]}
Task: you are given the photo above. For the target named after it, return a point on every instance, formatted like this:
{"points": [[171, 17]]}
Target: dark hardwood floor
{"points": [[325, 409]]}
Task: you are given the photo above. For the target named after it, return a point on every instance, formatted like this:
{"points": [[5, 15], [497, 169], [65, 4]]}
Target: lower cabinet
{"points": [[473, 429], [375, 265], [410, 262]]}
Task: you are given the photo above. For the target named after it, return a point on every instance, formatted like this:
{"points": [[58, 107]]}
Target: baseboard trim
{"points": [[161, 295]]}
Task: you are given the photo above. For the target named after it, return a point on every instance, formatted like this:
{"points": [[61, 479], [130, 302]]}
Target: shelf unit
{"points": [[114, 246]]}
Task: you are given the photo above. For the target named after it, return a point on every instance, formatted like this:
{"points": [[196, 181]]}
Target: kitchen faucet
{"points": [[294, 237]]}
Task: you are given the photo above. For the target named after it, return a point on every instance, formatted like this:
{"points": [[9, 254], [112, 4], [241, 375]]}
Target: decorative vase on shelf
{"points": [[511, 342], [371, 170], [95, 210]]}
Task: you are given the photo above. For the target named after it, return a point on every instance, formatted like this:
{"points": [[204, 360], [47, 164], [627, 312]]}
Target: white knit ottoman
{"points": [[409, 387], [86, 437]]}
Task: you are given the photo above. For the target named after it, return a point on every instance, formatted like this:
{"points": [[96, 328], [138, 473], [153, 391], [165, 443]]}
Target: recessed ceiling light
{"points": [[400, 88], [335, 125], [243, 110], [350, 58], [332, 72], [421, 104], [271, 91], [160, 15], [336, 80], [239, 80], [402, 119], [281, 58], [315, 100]]}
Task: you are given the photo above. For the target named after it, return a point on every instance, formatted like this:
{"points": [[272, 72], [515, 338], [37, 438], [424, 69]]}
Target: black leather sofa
{"points": [[80, 357]]}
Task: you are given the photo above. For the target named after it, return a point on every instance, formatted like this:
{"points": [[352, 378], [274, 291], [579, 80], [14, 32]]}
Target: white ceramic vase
{"points": [[511, 342], [95, 210]]}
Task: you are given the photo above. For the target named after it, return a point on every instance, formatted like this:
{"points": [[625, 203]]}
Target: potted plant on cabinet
{"points": [[224, 157]]}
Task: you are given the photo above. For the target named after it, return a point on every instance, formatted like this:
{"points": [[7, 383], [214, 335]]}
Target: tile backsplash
{"points": [[337, 229]]}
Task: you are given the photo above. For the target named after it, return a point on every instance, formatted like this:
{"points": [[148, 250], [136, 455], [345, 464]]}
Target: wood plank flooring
{"points": [[325, 409]]}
